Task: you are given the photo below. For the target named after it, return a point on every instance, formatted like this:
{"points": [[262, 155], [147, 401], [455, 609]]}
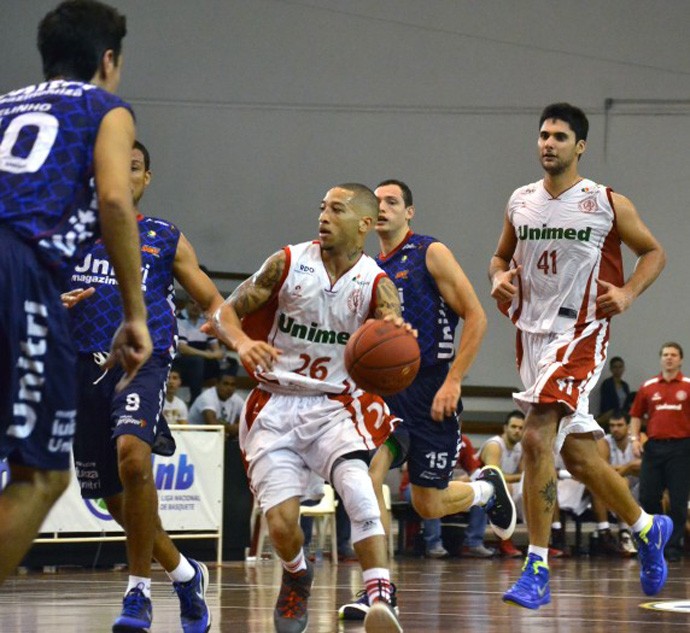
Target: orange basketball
{"points": [[382, 358]]}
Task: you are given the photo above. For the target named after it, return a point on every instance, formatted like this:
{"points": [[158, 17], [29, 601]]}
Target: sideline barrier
{"points": [[190, 495]]}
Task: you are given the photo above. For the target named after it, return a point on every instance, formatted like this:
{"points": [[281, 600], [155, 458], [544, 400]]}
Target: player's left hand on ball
{"points": [[400, 322], [73, 297], [615, 300]]}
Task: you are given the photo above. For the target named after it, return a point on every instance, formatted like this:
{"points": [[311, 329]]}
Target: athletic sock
{"points": [[542, 552], [184, 572], [483, 491], [641, 523], [377, 582], [296, 564], [138, 582]]}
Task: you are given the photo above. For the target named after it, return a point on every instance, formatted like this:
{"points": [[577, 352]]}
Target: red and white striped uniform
{"points": [[306, 411], [564, 245]]}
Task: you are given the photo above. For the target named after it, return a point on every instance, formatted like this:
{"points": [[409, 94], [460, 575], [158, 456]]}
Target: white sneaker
{"points": [[381, 618], [438, 551], [627, 543]]}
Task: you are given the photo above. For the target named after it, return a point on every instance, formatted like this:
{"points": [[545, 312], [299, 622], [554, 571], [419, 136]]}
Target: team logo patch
{"points": [[674, 606], [355, 300], [150, 249], [588, 205], [151, 233], [681, 395], [402, 274]]}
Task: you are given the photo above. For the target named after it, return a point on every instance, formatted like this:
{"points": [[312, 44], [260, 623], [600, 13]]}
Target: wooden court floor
{"points": [[588, 596]]}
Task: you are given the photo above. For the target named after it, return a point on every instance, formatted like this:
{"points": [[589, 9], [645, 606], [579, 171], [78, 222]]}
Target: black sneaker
{"points": [[359, 607], [290, 614], [500, 509]]}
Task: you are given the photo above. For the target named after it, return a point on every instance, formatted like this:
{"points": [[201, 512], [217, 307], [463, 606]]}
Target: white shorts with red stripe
{"points": [[287, 438], [563, 368]]}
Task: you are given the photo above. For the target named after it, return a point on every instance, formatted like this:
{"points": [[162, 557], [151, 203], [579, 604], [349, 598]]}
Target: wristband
{"points": [[634, 438]]}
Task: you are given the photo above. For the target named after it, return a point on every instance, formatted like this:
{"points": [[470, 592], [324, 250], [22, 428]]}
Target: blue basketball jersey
{"points": [[94, 320], [422, 303], [47, 191]]}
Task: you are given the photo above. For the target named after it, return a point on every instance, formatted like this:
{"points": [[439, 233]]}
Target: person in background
{"points": [[664, 403], [615, 392], [174, 408], [219, 405]]}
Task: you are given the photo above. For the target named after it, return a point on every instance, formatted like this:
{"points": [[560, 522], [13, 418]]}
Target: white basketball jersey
{"points": [[563, 245], [619, 457], [310, 320], [510, 458]]}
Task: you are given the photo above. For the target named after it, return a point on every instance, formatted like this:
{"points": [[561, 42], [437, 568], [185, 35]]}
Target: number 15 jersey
{"points": [[564, 245]]}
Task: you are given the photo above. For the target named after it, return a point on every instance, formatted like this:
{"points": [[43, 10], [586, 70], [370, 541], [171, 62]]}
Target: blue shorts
{"points": [[430, 448], [37, 361], [103, 415]]}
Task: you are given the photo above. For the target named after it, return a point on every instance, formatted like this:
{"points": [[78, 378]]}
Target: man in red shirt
{"points": [[664, 401]]}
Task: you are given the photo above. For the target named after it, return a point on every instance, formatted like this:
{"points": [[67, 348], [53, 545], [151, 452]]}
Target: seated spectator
{"points": [[616, 448], [219, 405], [199, 354], [615, 392], [505, 451], [174, 408]]}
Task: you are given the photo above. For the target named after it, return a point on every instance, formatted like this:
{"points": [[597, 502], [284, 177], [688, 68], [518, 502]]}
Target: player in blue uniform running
{"points": [[65, 148], [435, 294], [116, 431]]}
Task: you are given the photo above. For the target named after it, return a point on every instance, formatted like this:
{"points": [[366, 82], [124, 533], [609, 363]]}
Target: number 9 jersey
{"points": [[47, 190], [564, 245]]}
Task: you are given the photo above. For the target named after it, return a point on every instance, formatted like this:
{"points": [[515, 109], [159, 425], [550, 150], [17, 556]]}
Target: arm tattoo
{"points": [[254, 292], [548, 494], [387, 300]]}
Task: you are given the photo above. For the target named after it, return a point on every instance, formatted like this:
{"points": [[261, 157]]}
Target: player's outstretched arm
{"points": [[251, 295], [131, 345], [458, 293], [651, 259]]}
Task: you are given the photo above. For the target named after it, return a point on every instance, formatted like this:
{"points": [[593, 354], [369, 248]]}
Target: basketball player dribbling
{"points": [[306, 415], [65, 148], [557, 273], [435, 294]]}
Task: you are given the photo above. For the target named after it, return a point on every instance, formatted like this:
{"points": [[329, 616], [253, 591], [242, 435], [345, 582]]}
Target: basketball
{"points": [[382, 358]]}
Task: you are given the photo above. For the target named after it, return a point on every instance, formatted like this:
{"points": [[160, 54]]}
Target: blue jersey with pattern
{"points": [[94, 320], [422, 303], [47, 192]]}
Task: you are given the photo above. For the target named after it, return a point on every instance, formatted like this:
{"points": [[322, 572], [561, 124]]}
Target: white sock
{"points": [[377, 582], [184, 572], [140, 583], [298, 563], [542, 552], [641, 523], [603, 525], [483, 491], [556, 525]]}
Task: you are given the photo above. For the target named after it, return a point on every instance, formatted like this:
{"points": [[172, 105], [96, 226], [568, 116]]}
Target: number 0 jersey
{"points": [[564, 245], [311, 320], [47, 191]]}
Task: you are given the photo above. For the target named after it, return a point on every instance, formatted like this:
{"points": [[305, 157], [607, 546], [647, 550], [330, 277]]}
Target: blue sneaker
{"points": [[531, 590], [650, 551], [137, 613], [194, 612], [358, 608]]}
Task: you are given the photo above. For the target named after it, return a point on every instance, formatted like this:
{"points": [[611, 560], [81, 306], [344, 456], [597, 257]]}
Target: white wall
{"points": [[253, 108]]}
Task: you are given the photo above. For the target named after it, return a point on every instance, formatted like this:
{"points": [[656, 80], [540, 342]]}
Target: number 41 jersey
{"points": [[47, 191], [564, 245]]}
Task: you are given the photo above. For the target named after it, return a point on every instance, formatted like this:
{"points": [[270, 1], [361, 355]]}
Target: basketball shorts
{"points": [[37, 361], [430, 448], [563, 368], [103, 415], [286, 438]]}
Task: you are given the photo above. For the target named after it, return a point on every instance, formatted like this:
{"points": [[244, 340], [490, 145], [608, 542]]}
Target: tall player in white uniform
{"points": [[557, 273], [306, 415]]}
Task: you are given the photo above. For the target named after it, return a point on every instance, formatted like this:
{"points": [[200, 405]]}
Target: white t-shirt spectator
{"points": [[227, 411], [175, 412]]}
